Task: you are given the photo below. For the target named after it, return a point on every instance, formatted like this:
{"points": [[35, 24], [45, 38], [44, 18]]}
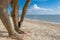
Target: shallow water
{"points": [[51, 18]]}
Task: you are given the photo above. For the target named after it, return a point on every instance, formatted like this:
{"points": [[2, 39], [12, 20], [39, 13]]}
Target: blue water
{"points": [[51, 18]]}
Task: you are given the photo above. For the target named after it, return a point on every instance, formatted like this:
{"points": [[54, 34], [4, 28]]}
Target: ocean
{"points": [[50, 18]]}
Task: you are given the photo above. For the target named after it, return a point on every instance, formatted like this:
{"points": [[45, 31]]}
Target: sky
{"points": [[40, 7]]}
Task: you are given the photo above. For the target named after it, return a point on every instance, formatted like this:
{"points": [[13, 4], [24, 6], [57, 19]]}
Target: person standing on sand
{"points": [[5, 18], [14, 14]]}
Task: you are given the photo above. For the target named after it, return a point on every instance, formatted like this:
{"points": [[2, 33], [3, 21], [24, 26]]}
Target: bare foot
{"points": [[19, 31], [13, 35]]}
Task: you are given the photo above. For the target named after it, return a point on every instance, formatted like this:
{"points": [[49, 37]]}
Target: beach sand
{"points": [[36, 30]]}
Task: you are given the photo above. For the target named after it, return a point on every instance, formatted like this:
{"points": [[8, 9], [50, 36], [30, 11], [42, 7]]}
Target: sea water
{"points": [[51, 18]]}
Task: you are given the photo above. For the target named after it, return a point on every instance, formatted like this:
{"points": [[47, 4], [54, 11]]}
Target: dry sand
{"points": [[36, 30]]}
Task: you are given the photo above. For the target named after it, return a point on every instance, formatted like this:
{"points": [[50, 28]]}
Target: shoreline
{"points": [[42, 21]]}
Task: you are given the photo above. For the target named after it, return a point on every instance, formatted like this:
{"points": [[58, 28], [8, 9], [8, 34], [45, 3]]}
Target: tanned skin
{"points": [[14, 14], [24, 12], [5, 18]]}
